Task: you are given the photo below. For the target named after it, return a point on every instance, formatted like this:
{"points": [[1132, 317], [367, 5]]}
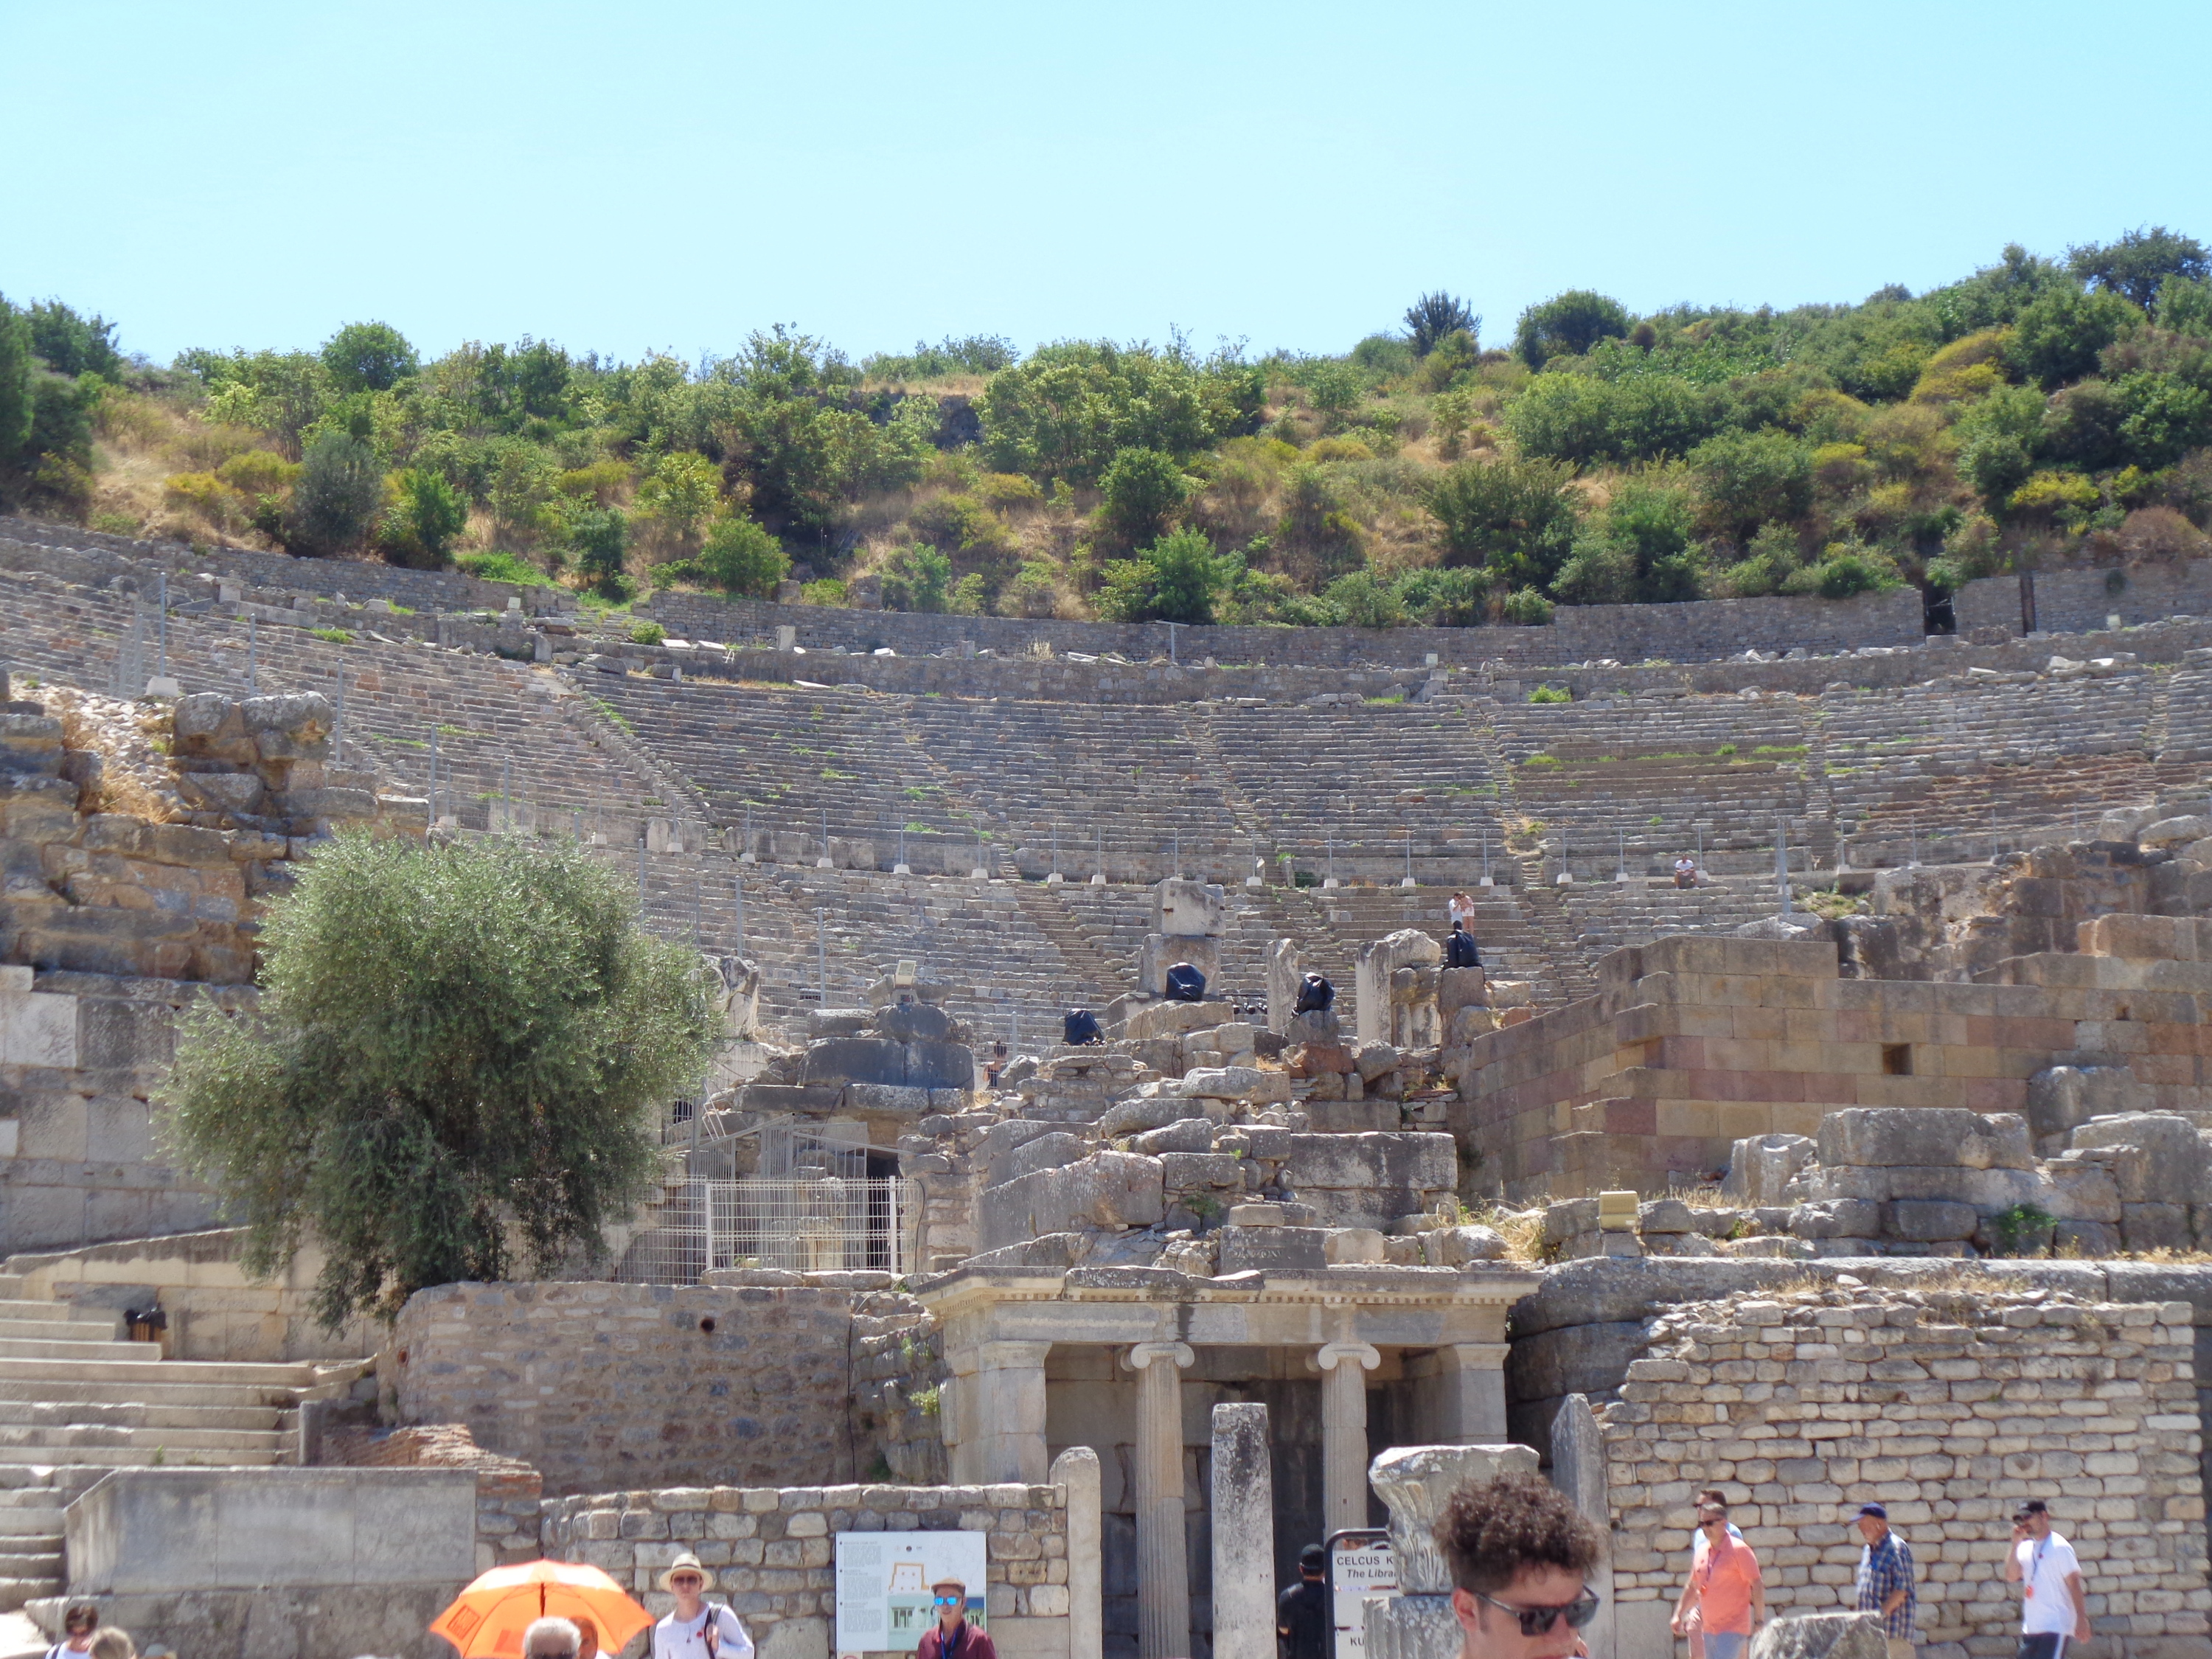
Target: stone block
{"points": [[2095, 1241], [1456, 1247], [1565, 1220], [1351, 1117], [1821, 1636], [1320, 1026], [894, 1100], [1848, 1217], [2061, 1098], [1048, 1152], [1761, 1166], [1189, 909], [37, 1029], [1465, 1024], [1188, 1134], [1930, 1220], [2155, 1227], [1279, 1249], [1665, 1215], [1427, 1162], [1168, 1019], [1460, 988], [2083, 1192], [1236, 1082], [1349, 1246], [1924, 1136], [1161, 951], [2162, 1157], [1183, 1172]]}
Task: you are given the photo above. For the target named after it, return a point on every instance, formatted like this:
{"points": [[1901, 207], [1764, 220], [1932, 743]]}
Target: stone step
{"points": [[152, 1454], [136, 1413], [20, 1442]]}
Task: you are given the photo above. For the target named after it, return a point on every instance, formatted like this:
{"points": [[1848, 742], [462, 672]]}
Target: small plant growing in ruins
{"points": [[1551, 694], [2020, 1225], [1725, 750], [647, 633], [460, 1052], [1541, 760], [927, 1401], [332, 635]]}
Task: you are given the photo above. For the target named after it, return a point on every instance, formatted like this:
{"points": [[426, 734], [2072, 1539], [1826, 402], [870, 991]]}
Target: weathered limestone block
{"points": [[2156, 1157], [2061, 1098], [1185, 1134], [1929, 1220], [1189, 909], [1844, 1217], [1456, 1247], [1168, 1019], [1373, 976], [1760, 1166], [1285, 970], [1048, 1152], [1272, 1249], [1423, 1162], [1234, 1083], [2083, 1192], [1883, 1136], [1460, 988], [1821, 1636]]}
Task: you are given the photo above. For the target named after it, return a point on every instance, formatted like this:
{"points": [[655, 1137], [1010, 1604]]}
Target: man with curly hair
{"points": [[1520, 1555]]}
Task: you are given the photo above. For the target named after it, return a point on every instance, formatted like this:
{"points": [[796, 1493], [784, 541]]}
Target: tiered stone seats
{"points": [[1130, 779], [788, 756], [1643, 780], [1607, 915], [1366, 777], [1977, 762]]}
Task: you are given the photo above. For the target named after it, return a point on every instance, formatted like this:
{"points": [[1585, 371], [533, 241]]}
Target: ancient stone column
{"points": [[1078, 1470], [1243, 1535], [1343, 1368], [1163, 1561], [1578, 1470]]}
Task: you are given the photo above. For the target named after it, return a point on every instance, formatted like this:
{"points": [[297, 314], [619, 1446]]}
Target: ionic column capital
{"points": [[1333, 1354], [1142, 1354]]}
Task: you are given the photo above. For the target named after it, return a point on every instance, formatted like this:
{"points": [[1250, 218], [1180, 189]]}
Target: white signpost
{"points": [[883, 1586], [1362, 1568]]}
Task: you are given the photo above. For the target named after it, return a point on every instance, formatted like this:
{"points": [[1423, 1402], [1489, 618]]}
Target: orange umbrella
{"points": [[487, 1620]]}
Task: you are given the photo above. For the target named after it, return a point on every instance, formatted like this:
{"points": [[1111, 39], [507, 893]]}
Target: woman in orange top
{"points": [[1724, 1587]]}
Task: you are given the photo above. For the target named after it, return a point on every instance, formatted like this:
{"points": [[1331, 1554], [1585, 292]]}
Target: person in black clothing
{"points": [[1301, 1611], [1460, 950]]}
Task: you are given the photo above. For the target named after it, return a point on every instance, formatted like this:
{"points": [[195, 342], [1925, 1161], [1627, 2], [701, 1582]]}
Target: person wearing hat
{"points": [[1885, 1581], [1302, 1624], [2043, 1564], [952, 1637], [697, 1629]]}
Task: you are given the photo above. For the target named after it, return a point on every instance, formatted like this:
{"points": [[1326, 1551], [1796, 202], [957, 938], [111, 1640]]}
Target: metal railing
{"points": [[832, 1223]]}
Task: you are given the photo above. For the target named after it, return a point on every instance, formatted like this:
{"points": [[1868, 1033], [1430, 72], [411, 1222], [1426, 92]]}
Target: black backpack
{"points": [[1079, 1027], [1315, 994], [1186, 984]]}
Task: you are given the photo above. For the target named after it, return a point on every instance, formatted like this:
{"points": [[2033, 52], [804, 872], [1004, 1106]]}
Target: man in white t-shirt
{"points": [[2053, 1605], [697, 1629]]}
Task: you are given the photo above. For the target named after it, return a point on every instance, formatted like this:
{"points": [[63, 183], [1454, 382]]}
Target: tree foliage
{"points": [[1566, 326], [1433, 316], [740, 558], [368, 357], [1070, 408], [1511, 518], [2139, 263], [341, 486], [71, 345], [452, 1041]]}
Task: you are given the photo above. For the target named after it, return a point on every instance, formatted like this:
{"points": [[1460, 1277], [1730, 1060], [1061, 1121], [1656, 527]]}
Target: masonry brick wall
{"points": [[2075, 601], [603, 1385], [773, 1551], [1948, 1405]]}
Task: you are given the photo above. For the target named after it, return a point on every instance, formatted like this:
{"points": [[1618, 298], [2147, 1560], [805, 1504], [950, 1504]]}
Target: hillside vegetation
{"points": [[2039, 412]]}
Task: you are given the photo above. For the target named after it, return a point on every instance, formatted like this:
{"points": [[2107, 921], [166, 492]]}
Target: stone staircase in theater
{"points": [[76, 1401]]}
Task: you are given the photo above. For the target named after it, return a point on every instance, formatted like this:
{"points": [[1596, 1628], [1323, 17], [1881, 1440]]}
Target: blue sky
{"points": [[672, 175]]}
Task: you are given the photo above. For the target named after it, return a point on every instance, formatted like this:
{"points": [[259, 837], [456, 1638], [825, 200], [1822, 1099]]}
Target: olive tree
{"points": [[458, 1049]]}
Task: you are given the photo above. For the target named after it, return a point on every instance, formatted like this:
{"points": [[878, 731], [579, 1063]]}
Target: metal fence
{"points": [[808, 1225]]}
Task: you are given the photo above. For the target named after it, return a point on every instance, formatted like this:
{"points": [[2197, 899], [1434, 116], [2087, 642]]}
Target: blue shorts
{"points": [[1725, 1645]]}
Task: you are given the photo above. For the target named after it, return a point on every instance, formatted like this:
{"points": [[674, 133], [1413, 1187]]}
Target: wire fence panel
{"points": [[832, 1224]]}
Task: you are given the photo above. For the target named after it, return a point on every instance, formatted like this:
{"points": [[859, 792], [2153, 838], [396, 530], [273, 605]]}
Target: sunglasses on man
{"points": [[950, 1600], [1538, 1621]]}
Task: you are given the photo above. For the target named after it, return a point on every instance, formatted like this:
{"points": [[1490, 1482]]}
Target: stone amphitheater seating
{"points": [[1972, 761], [1213, 786]]}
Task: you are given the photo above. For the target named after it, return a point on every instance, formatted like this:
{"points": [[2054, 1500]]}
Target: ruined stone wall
{"points": [[2072, 601], [773, 1551], [1692, 1042], [610, 1385], [1948, 1405]]}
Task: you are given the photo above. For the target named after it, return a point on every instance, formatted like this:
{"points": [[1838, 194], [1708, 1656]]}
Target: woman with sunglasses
{"points": [[1725, 1588], [952, 1637]]}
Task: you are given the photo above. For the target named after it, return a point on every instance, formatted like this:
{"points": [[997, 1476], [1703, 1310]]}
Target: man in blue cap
{"points": [[1885, 1580]]}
